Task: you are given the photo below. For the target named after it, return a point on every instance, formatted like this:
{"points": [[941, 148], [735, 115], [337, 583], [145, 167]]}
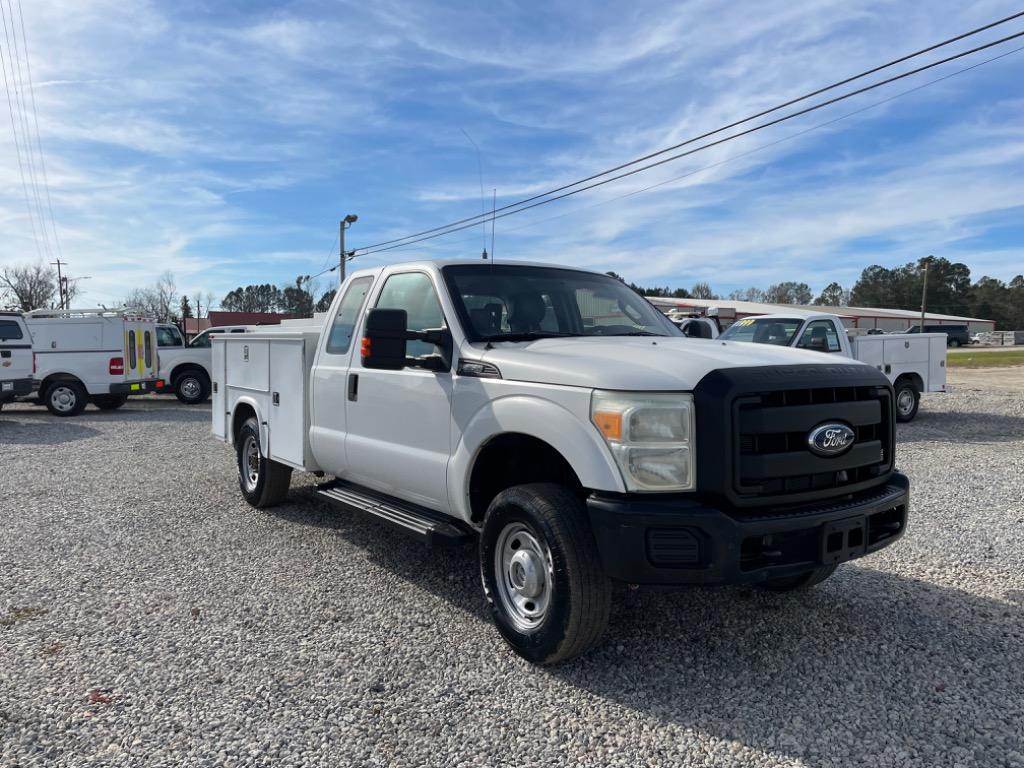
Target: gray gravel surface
{"points": [[148, 617]]}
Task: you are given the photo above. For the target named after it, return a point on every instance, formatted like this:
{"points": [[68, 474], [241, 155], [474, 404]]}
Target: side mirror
{"points": [[384, 339]]}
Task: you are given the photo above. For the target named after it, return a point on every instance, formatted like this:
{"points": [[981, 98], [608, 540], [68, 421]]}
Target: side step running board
{"points": [[430, 527]]}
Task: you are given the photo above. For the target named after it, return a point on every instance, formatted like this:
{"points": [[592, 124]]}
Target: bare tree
{"points": [[28, 287], [159, 300]]}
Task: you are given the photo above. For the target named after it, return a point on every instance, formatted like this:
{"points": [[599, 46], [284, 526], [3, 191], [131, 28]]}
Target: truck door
{"points": [[399, 422], [331, 379], [821, 336]]}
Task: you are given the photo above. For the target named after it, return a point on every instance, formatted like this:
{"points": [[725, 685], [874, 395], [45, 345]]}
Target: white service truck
{"points": [[912, 362], [563, 422], [185, 368], [17, 363], [91, 355]]}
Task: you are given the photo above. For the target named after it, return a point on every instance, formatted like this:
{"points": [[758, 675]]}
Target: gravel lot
{"points": [[149, 617]]}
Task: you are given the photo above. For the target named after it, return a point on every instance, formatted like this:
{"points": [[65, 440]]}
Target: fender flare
{"points": [[264, 431], [577, 441]]}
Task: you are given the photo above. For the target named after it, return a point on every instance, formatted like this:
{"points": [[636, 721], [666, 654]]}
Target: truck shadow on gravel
{"points": [[961, 427], [868, 664], [15, 431]]}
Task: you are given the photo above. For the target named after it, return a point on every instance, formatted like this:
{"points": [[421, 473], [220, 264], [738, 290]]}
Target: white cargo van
{"points": [[91, 355], [16, 361]]}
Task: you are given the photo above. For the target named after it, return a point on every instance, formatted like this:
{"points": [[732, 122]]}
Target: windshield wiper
{"points": [[527, 336], [634, 333]]}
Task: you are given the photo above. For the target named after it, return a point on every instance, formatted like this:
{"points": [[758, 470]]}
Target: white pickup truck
{"points": [[913, 362], [17, 363], [185, 368], [564, 422]]}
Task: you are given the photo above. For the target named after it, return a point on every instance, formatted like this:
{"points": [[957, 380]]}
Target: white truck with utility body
{"points": [[563, 421], [17, 363], [91, 355], [913, 362], [185, 368]]}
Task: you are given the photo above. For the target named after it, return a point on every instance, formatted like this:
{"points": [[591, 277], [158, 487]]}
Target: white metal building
{"points": [[729, 310]]}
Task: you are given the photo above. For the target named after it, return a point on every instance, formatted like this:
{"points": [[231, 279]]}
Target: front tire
{"points": [[908, 398], [542, 574], [954, 343], [263, 481], [804, 580], [65, 398], [192, 387], [109, 402]]}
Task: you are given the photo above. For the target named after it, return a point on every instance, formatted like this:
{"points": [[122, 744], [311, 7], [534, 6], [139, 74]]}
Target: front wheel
{"points": [[542, 574], [65, 398], [109, 402], [263, 481], [192, 387], [954, 343], [804, 580], [908, 398]]}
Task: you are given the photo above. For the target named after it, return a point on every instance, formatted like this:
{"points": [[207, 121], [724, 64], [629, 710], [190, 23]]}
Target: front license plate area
{"points": [[843, 540]]}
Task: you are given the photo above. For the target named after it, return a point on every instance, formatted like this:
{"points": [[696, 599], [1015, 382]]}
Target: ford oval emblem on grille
{"points": [[830, 439]]}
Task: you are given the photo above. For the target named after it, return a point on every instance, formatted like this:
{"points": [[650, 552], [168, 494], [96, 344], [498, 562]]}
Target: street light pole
{"points": [[924, 290], [345, 223]]}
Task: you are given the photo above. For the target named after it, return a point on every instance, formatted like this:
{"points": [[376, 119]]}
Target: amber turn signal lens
{"points": [[610, 424]]}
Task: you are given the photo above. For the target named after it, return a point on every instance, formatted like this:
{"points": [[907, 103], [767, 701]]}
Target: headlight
{"points": [[650, 436]]}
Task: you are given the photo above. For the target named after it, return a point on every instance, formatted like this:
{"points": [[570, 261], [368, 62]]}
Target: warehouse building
{"points": [[864, 318]]}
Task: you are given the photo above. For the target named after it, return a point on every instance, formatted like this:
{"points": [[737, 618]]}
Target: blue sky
{"points": [[224, 140]]}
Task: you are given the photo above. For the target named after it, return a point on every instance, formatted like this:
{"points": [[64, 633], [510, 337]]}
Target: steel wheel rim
{"points": [[250, 463], [524, 575], [905, 401], [190, 388], [63, 399]]}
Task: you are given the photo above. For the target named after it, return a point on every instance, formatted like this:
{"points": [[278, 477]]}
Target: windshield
{"points": [[763, 330], [517, 303]]}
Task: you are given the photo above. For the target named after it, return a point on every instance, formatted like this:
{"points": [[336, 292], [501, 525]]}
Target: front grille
{"points": [[772, 458]]}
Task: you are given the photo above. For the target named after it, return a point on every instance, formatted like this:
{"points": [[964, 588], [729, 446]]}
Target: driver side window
{"points": [[821, 336], [414, 292]]}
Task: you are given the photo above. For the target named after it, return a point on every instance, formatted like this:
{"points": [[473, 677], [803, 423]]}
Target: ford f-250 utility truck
{"points": [[913, 363], [569, 426]]}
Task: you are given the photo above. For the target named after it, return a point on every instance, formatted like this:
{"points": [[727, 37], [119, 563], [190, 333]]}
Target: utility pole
{"points": [[61, 285], [345, 223], [924, 290]]}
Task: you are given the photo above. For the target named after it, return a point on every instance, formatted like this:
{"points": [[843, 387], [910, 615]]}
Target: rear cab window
{"points": [[340, 338], [10, 330]]}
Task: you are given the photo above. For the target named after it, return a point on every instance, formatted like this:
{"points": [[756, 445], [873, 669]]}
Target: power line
{"points": [[535, 201], [17, 148], [35, 119], [17, 77]]}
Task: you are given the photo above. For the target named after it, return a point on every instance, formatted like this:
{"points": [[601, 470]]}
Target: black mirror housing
{"points": [[384, 339]]}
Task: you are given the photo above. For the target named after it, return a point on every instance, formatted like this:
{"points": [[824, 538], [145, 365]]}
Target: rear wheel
{"points": [[192, 387], [109, 402], [542, 574], [907, 400], [65, 398], [263, 481], [803, 580], [954, 343]]}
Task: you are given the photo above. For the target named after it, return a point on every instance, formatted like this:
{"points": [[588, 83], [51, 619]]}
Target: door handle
{"points": [[353, 387]]}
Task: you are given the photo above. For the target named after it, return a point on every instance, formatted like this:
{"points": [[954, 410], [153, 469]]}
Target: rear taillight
{"points": [[117, 366]]}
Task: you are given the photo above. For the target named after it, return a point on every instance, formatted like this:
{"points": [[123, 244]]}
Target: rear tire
{"points": [[263, 481], [192, 387], [954, 343], [908, 398], [542, 573], [65, 398], [109, 402], [804, 580]]}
